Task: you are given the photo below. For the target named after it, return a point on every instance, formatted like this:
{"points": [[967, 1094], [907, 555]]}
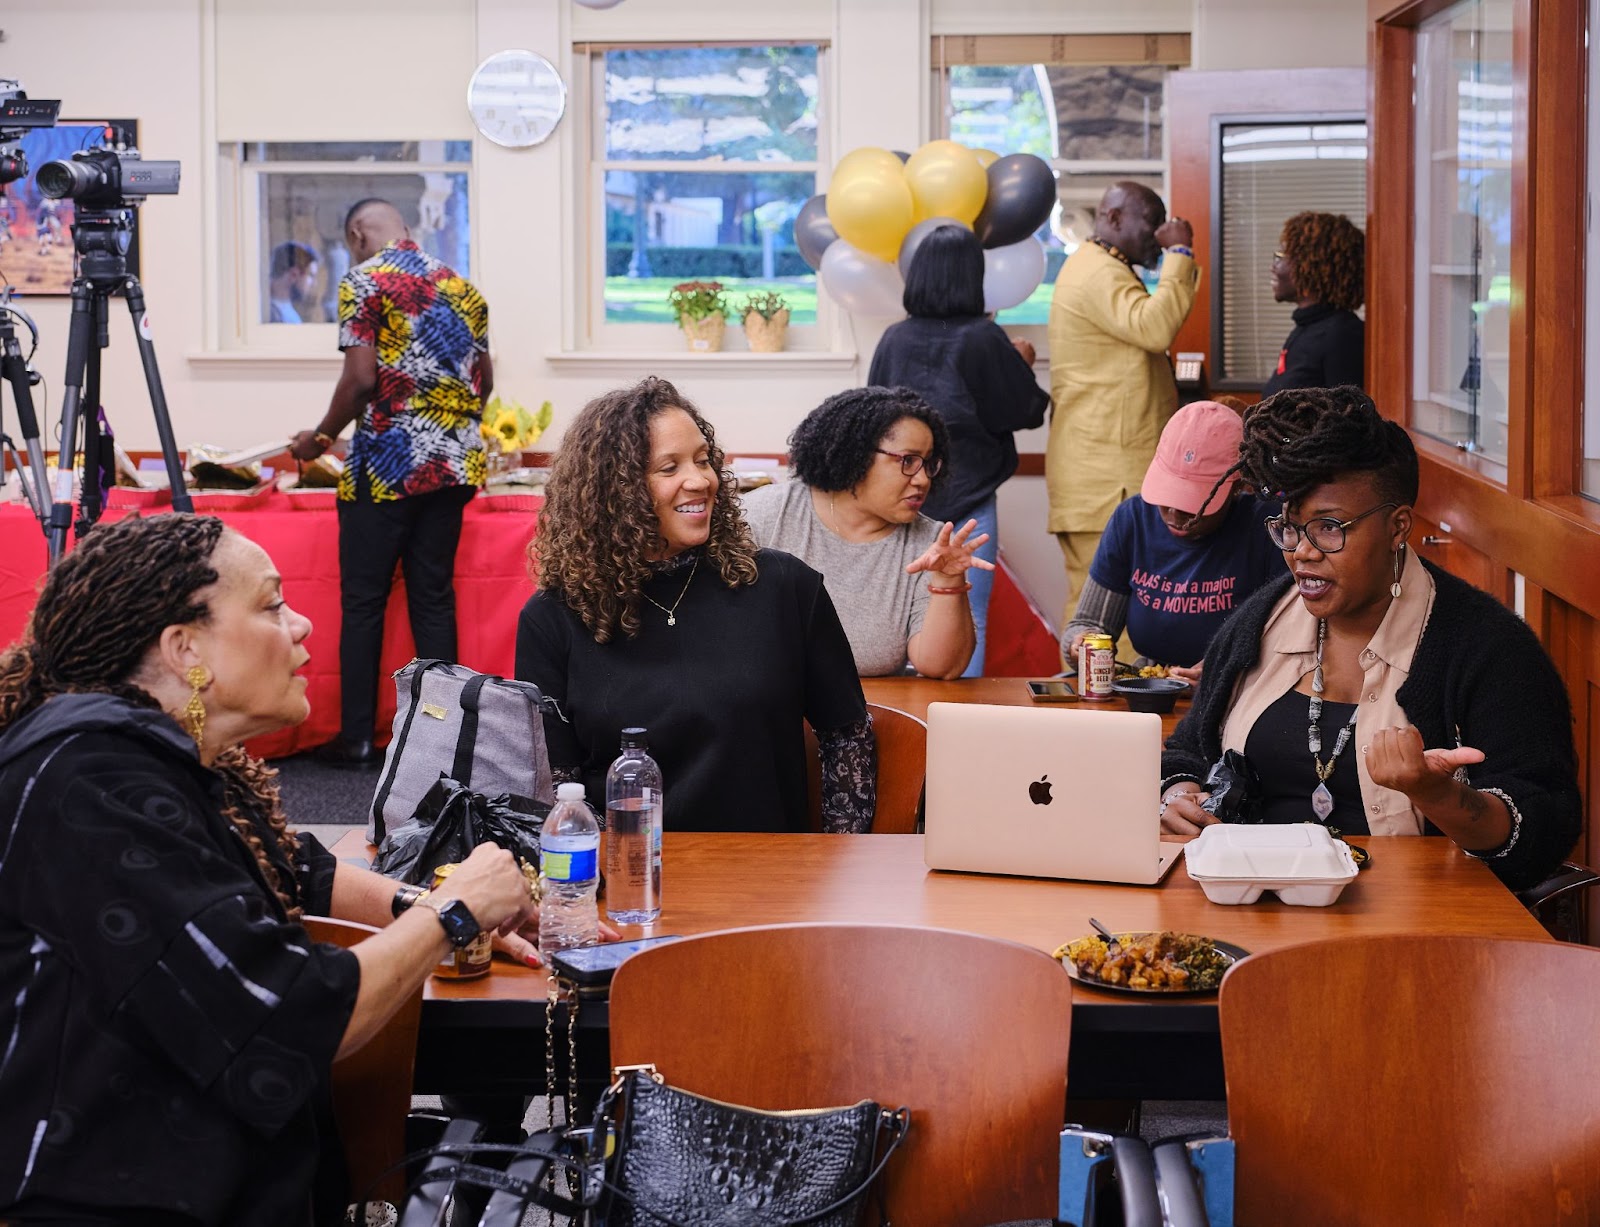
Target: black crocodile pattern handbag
{"points": [[684, 1160]]}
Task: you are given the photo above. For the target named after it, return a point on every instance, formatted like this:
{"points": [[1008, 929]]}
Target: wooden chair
{"points": [[902, 764], [372, 1086], [1417, 1080], [968, 1032]]}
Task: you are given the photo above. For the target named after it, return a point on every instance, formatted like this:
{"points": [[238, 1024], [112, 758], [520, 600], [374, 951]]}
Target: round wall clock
{"points": [[516, 98]]}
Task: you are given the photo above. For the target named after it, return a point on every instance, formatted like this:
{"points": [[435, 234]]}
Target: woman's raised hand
{"points": [[1396, 759], [952, 553]]}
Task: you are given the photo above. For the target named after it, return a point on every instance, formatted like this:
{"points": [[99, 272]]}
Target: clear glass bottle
{"points": [[569, 853], [633, 834]]}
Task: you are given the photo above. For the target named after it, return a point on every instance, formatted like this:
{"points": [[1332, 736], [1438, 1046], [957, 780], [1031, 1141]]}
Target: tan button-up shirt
{"points": [[1289, 652]]}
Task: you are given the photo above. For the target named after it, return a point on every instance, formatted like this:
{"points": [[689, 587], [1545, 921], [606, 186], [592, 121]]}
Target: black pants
{"points": [[419, 533]]}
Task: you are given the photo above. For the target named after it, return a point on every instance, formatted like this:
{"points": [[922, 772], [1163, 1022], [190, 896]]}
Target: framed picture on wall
{"points": [[36, 253]]}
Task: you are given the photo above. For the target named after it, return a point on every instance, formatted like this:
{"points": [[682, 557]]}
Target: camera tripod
{"points": [[14, 369], [101, 238]]}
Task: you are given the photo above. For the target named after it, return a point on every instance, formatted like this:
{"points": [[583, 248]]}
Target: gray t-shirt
{"points": [[880, 605]]}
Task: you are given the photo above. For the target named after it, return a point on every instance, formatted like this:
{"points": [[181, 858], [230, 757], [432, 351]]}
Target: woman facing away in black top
{"points": [[166, 1024], [963, 364], [656, 609], [1321, 268], [1370, 690]]}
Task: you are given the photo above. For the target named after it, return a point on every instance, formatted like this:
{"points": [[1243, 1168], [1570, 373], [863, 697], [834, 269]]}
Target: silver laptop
{"points": [[1045, 793]]}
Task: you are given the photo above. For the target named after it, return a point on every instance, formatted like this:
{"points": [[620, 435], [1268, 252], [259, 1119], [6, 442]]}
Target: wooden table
{"points": [[913, 694], [1123, 1046]]}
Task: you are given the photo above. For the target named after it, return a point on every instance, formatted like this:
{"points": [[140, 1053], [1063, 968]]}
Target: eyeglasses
{"points": [[1324, 532], [911, 463]]}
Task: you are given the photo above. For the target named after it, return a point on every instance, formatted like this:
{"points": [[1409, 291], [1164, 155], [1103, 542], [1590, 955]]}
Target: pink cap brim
{"points": [[1163, 488]]}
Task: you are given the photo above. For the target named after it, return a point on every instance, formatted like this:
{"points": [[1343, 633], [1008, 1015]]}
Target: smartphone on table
{"points": [[1053, 690], [593, 966]]}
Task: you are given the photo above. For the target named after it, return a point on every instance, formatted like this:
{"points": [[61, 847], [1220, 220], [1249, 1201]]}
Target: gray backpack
{"points": [[482, 730]]}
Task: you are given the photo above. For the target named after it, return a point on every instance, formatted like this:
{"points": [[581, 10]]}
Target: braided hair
{"points": [[101, 611], [1302, 438]]}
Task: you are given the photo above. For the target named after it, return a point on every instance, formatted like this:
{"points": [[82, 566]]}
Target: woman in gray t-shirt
{"points": [[863, 462]]}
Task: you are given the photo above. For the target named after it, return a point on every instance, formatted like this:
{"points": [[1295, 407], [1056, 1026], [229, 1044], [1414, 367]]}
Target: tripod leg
{"points": [[158, 399], [14, 370], [80, 336], [94, 444]]}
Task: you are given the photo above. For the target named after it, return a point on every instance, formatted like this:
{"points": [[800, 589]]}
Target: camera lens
{"points": [[63, 179], [13, 167]]}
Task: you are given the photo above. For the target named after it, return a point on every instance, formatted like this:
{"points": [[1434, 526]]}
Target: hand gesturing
{"points": [[952, 553]]}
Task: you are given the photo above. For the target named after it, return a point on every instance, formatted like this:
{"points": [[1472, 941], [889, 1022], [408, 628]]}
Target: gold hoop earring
{"points": [[194, 712]]}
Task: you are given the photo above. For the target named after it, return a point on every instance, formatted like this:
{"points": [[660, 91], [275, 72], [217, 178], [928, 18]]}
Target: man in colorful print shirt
{"points": [[416, 376]]}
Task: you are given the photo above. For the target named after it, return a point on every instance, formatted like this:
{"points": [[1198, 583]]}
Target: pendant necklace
{"points": [[1321, 798], [672, 618]]}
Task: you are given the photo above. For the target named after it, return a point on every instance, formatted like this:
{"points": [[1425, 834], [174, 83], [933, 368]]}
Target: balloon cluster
{"points": [[880, 205]]}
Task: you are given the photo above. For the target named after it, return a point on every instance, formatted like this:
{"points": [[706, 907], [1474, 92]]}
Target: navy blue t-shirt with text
{"points": [[1180, 592]]}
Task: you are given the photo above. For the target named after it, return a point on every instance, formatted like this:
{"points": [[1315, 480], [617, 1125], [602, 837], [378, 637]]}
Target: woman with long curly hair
{"points": [[168, 1023], [1367, 689], [656, 609], [864, 463], [1321, 268]]}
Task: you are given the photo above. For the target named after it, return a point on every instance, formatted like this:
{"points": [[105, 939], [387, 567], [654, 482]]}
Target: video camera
{"points": [[19, 114], [108, 178]]}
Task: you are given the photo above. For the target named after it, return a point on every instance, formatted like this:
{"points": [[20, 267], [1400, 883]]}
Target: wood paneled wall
{"points": [[1534, 524]]}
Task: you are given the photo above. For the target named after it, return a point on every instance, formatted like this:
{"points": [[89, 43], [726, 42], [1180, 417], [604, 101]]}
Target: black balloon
{"points": [[901, 154], [813, 231], [1022, 191]]}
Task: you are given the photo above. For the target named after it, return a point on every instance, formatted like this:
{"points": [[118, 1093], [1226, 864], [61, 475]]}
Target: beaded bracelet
{"points": [[1179, 249], [953, 590]]}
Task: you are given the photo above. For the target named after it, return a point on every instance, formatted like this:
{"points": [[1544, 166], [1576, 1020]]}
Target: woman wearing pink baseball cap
{"points": [[1178, 557]]}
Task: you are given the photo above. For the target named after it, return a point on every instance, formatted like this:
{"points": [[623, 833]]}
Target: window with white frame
{"points": [[700, 157], [291, 200], [1092, 106]]}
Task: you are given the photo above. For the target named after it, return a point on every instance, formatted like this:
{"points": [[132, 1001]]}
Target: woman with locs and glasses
{"points": [[1181, 555], [865, 463], [1370, 690], [962, 363]]}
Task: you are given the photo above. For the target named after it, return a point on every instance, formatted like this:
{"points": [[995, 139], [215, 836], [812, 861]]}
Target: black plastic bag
{"points": [[1235, 789], [452, 820]]}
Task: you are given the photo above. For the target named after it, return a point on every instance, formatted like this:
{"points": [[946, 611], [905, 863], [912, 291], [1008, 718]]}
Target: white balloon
{"points": [[861, 284], [1011, 273]]}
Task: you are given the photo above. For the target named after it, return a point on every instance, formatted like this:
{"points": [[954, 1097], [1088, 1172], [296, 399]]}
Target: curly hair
{"points": [[598, 529], [1329, 256], [1302, 438], [832, 449], [101, 611]]}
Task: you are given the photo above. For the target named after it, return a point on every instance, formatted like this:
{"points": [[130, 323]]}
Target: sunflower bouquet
{"points": [[510, 427]]}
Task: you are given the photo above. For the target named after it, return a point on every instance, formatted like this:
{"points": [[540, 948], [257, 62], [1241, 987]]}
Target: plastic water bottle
{"points": [[569, 851], [633, 834]]}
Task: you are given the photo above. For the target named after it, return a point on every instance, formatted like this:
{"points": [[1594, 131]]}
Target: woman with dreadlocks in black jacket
{"points": [[1368, 689]]}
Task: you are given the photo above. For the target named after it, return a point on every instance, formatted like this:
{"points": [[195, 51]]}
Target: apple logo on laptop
{"points": [[1039, 791]]}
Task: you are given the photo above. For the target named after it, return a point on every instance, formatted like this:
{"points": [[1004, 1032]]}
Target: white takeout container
{"points": [[1300, 862]]}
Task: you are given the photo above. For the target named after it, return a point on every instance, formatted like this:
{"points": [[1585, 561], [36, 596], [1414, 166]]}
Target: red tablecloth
{"points": [[492, 585]]}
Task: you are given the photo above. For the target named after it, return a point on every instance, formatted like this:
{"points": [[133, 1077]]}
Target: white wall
{"points": [[157, 60], [1279, 34]]}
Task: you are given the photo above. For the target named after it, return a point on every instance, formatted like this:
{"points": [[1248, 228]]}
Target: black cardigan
{"points": [[1478, 672], [1326, 350]]}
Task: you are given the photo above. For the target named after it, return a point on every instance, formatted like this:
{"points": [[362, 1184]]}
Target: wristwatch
{"points": [[459, 924]]}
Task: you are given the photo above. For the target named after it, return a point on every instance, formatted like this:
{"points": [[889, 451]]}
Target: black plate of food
{"points": [[1164, 964]]}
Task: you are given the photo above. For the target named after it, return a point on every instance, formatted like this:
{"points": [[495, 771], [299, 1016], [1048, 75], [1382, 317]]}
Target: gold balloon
{"points": [[946, 180], [869, 203], [985, 157]]}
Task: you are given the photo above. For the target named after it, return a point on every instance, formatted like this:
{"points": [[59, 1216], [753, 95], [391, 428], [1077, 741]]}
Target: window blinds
{"points": [[1268, 174]]}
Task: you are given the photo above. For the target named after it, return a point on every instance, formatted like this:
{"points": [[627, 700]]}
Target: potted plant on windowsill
{"points": [[702, 313], [766, 321]]}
